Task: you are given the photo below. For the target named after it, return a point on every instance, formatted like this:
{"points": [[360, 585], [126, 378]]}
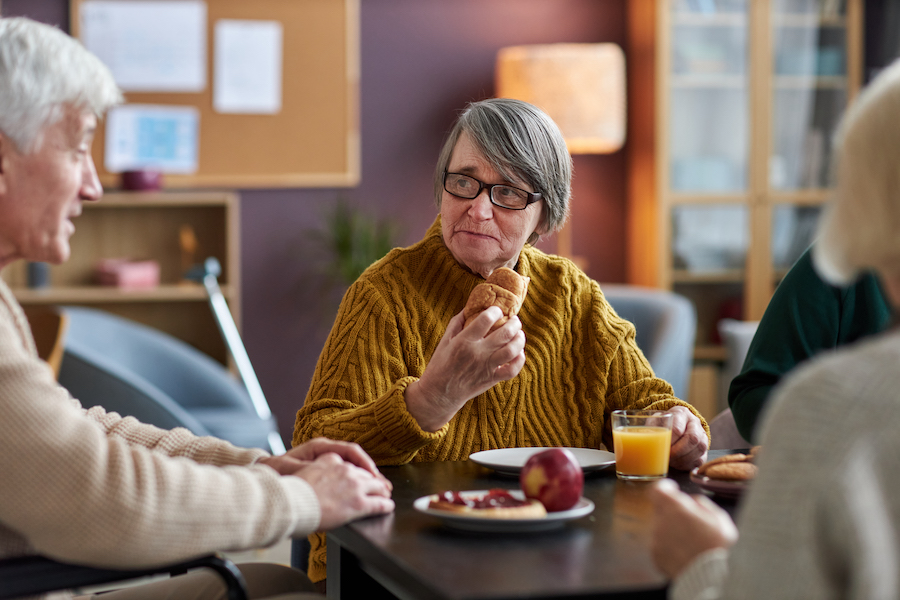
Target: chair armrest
{"points": [[29, 575]]}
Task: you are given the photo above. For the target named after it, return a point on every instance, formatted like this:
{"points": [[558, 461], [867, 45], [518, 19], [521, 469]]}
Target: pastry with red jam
{"points": [[495, 504]]}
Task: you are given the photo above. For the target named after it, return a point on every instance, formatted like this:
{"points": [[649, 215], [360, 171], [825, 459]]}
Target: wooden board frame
{"points": [[313, 142]]}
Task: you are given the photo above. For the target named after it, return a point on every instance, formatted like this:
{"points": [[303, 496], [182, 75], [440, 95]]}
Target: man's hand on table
{"points": [[689, 441], [299, 456], [345, 491], [686, 526], [344, 478]]}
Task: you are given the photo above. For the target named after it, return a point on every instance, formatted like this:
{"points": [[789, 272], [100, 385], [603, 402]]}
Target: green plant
{"points": [[355, 240]]}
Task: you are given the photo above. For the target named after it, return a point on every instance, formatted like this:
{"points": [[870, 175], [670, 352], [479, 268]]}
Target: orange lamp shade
{"points": [[581, 87]]}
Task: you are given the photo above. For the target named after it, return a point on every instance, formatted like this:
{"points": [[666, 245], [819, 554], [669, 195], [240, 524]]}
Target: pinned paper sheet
{"points": [[141, 136], [247, 73], [149, 46]]}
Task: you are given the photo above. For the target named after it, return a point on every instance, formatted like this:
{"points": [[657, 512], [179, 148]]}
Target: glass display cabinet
{"points": [[747, 95]]}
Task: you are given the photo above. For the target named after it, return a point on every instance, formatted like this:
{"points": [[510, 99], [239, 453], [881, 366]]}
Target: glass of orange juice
{"points": [[641, 439]]}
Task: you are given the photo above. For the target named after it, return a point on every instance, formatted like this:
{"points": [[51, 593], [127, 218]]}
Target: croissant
{"points": [[504, 288]]}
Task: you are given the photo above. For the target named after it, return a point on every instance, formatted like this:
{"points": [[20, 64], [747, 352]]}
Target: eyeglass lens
{"points": [[469, 188]]}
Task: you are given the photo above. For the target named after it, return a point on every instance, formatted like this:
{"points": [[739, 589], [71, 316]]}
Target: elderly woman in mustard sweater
{"points": [[401, 377]]}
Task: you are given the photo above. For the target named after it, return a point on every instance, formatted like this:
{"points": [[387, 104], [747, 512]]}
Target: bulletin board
{"points": [[313, 141]]}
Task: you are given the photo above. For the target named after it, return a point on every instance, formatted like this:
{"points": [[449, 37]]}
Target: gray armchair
{"points": [[665, 327], [139, 371]]}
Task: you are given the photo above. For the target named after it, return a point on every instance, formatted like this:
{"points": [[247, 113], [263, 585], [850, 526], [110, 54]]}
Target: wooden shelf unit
{"points": [[141, 225], [722, 87]]}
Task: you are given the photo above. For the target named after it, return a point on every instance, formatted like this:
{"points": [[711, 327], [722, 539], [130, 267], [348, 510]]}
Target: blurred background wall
{"points": [[421, 62]]}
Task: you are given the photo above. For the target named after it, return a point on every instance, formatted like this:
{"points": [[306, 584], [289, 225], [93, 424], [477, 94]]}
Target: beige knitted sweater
{"points": [[823, 517], [581, 363], [92, 487]]}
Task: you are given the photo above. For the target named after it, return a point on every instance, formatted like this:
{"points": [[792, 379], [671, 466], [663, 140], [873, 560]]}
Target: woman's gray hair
{"points": [[521, 143], [860, 228], [43, 70]]}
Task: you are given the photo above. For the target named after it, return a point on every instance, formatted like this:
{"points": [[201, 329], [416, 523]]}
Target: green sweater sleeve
{"points": [[804, 317]]}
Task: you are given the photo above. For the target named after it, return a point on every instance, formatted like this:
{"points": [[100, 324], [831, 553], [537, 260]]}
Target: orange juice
{"points": [[642, 452]]}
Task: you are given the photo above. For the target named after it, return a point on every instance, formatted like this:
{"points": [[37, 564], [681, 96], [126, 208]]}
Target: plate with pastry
{"points": [[497, 511], [511, 460], [729, 475]]}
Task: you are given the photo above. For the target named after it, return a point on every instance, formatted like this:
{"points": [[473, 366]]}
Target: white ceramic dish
{"points": [[467, 522], [511, 460]]}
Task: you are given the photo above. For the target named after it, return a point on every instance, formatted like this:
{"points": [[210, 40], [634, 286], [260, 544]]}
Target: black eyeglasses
{"points": [[504, 196]]}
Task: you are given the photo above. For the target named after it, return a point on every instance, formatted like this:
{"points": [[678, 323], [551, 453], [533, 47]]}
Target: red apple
{"points": [[553, 477]]}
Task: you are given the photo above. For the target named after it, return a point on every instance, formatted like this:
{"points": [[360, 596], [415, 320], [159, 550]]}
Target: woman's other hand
{"points": [[686, 526], [689, 440], [466, 363]]}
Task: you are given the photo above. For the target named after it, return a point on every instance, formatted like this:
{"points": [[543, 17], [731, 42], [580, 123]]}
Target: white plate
{"points": [[553, 520], [511, 460]]}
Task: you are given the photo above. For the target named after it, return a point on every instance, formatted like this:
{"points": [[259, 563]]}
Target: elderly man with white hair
{"points": [[88, 486], [822, 518]]}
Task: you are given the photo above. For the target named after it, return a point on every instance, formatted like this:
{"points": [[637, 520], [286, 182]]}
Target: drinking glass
{"points": [[641, 440]]}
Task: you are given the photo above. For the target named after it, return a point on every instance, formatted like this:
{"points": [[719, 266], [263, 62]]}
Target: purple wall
{"points": [[422, 60]]}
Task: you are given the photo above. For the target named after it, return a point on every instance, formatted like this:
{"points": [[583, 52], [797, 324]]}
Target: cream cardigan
{"points": [[92, 487]]}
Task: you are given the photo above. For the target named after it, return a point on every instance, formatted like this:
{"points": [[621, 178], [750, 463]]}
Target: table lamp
{"points": [[581, 87]]}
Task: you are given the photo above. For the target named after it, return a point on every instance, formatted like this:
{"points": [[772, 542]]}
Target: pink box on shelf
{"points": [[127, 274]]}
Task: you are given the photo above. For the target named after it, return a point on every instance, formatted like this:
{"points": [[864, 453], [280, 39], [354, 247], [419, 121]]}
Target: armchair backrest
{"points": [[139, 371], [49, 326], [665, 328]]}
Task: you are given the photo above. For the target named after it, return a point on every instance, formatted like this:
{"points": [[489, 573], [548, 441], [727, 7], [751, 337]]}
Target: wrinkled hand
{"points": [[345, 491], [466, 363], [298, 457], [685, 526], [689, 441]]}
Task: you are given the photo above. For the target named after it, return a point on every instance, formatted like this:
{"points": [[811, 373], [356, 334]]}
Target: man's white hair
{"points": [[860, 228], [42, 71]]}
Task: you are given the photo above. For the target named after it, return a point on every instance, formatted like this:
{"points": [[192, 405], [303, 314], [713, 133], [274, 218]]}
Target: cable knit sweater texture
{"points": [[581, 363], [94, 488]]}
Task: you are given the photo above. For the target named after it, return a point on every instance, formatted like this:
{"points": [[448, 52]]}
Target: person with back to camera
{"points": [[90, 487], [822, 518], [408, 378], [805, 316]]}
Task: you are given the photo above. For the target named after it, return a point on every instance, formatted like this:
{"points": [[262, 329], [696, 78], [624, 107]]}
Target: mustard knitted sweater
{"points": [[89, 486], [581, 363]]}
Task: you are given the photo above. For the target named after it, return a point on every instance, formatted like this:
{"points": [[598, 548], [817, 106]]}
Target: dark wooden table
{"points": [[410, 555]]}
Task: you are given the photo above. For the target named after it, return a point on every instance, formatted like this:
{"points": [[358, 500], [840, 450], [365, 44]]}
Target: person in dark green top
{"points": [[805, 316]]}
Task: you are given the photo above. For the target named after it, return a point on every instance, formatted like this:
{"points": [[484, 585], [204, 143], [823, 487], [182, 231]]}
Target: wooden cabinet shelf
{"points": [[803, 83], [712, 277], [95, 294], [149, 226], [710, 353]]}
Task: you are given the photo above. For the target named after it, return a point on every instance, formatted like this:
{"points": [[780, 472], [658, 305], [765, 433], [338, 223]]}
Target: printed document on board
{"points": [[247, 66], [150, 46]]}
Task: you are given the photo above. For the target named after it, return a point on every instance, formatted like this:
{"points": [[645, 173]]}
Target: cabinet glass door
{"points": [[810, 89], [708, 109], [793, 230]]}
